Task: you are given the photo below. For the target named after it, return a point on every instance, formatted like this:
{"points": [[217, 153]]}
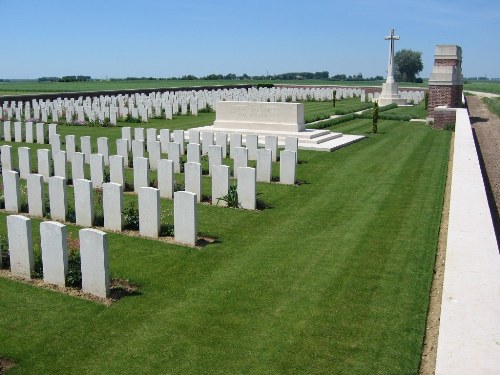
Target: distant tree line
{"points": [[65, 79], [282, 77]]}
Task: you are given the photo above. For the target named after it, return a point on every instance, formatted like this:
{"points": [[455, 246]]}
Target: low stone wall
{"points": [[469, 329]]}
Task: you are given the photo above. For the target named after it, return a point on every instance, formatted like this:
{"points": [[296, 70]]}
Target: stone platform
{"points": [[309, 139]]}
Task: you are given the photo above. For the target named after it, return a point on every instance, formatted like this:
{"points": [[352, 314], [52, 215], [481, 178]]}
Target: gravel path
{"points": [[486, 127]]}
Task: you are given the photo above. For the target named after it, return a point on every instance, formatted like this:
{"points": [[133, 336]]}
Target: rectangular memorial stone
{"points": [[103, 149], [122, 150], [44, 167], [6, 157], [207, 140], [179, 138], [12, 195], [240, 159], [174, 154], [192, 183], [54, 252], [84, 202], [185, 218], [151, 136], [220, 184], [214, 157], [94, 262], [194, 136], [141, 173], [264, 165], [193, 153], [292, 144], [24, 162], [137, 149], [60, 164], [235, 140], [70, 146], [112, 203], [149, 212], [36, 196], [18, 132], [97, 170], [127, 134], [221, 140], [86, 147], [166, 178], [271, 143], [164, 139], [57, 198], [20, 246], [116, 172], [139, 134], [247, 188], [29, 132], [7, 131], [78, 166], [287, 167], [40, 133], [154, 154]]}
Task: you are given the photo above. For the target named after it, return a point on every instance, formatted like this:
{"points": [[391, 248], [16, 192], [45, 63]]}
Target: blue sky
{"points": [[111, 38]]}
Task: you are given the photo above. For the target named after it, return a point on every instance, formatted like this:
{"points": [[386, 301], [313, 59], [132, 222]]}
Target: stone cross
{"points": [[390, 67]]}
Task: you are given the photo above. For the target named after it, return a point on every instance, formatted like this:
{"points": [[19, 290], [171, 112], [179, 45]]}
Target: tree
{"points": [[407, 65], [334, 97], [374, 117]]}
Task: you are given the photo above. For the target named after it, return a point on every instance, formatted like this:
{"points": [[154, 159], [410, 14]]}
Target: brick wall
{"points": [[443, 118]]}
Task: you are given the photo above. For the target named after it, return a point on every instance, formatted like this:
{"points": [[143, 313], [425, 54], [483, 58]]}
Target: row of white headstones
{"points": [[149, 198], [160, 104], [93, 254]]}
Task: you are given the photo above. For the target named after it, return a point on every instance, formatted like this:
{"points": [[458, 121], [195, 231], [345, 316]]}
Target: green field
{"points": [[488, 86], [332, 278], [32, 87]]}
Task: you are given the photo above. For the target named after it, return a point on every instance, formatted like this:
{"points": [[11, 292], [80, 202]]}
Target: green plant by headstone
{"points": [[334, 97], [426, 99]]}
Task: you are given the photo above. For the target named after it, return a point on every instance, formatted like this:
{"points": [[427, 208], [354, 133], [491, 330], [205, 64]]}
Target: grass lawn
{"points": [[333, 278], [493, 105], [31, 87], [486, 86], [417, 111]]}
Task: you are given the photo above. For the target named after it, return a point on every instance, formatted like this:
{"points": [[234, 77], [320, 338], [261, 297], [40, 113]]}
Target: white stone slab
{"points": [[137, 148], [235, 140], [94, 262], [112, 203], [20, 246], [84, 202], [138, 134], [192, 183], [24, 162], [54, 252], [166, 178], [60, 164], [240, 159], [97, 170], [194, 137], [185, 218], [122, 149], [116, 171], [40, 133], [103, 149], [174, 154], [86, 147], [154, 154], [57, 198], [36, 196], [178, 137], [252, 144], [271, 143], [70, 146], [247, 195], [12, 195], [164, 139], [287, 167], [6, 157], [149, 212], [141, 173], [77, 166], [220, 184], [207, 140], [264, 165], [193, 153], [127, 134], [29, 132]]}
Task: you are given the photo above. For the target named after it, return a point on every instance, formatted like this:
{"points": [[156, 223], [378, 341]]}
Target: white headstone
{"points": [[94, 262], [12, 195], [97, 170], [240, 159], [166, 178], [40, 133], [141, 173], [192, 183], [247, 188], [174, 154], [24, 162], [84, 202], [149, 212], [234, 141], [35, 188], [271, 143], [103, 149], [116, 172], [137, 149], [193, 153], [20, 246], [112, 205], [220, 184], [287, 167], [252, 144], [214, 157], [164, 139], [185, 218], [54, 252], [60, 164], [154, 154], [77, 166], [221, 140], [6, 157], [207, 140], [57, 198], [264, 165], [179, 138], [86, 147]]}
